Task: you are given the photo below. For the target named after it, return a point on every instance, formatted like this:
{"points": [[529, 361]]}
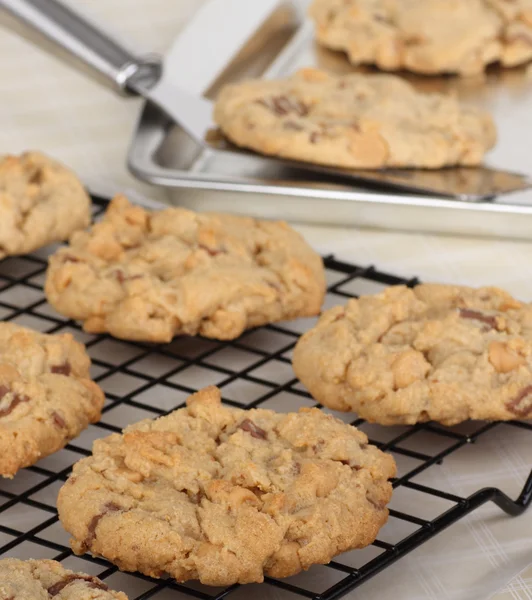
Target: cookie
{"points": [[427, 36], [46, 395], [45, 579], [150, 276], [41, 202], [435, 352], [353, 121], [226, 495]]}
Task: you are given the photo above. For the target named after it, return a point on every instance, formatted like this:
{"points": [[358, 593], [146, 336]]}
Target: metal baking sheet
{"points": [[278, 45]]}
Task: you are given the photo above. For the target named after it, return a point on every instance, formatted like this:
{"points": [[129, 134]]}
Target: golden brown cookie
{"points": [[427, 36], [45, 579], [353, 121], [143, 275], [41, 201], [436, 352], [226, 495], [46, 395]]}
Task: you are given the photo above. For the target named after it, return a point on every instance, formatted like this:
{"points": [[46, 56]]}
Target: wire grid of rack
{"points": [[145, 381]]}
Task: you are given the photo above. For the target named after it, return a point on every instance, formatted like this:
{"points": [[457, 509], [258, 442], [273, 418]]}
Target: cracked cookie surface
{"points": [[353, 121], [41, 202], [150, 276], [225, 495], [435, 352], [45, 579], [46, 395], [427, 36]]}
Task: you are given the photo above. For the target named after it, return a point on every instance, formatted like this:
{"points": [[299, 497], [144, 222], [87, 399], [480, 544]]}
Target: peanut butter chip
{"points": [[503, 359]]}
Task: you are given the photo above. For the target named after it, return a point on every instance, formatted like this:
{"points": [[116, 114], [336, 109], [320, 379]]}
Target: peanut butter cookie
{"points": [[45, 579], [41, 202], [353, 121], [226, 495], [435, 352], [427, 36], [46, 395], [142, 275]]}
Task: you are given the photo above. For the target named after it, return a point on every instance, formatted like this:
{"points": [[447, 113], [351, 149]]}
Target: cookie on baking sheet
{"points": [[143, 275], [41, 201], [226, 495], [435, 352], [427, 36], [46, 395], [353, 121], [44, 579]]}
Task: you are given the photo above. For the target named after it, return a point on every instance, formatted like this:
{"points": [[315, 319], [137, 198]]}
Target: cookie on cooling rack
{"points": [[46, 395], [226, 495], [427, 36], [435, 352], [41, 202], [353, 121], [149, 276], [40, 579]]}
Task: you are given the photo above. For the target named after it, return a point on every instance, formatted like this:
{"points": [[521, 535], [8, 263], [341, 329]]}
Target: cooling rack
{"points": [[145, 381]]}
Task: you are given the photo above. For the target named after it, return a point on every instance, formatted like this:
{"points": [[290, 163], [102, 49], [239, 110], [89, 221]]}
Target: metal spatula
{"points": [[145, 76]]}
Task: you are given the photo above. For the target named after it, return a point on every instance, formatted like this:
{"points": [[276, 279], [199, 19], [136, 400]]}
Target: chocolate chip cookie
{"points": [[41, 202], [44, 579], [427, 36], [435, 352], [226, 495], [46, 395], [142, 275], [353, 121]]}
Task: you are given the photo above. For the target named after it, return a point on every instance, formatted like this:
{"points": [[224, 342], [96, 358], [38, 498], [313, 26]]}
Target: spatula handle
{"points": [[83, 39]]}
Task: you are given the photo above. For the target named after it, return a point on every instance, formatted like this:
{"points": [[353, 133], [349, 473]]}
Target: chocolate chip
{"points": [[92, 582], [382, 19], [514, 406], [64, 369], [58, 420], [296, 468], [318, 446], [14, 403], [3, 391], [121, 277], [91, 529], [475, 315], [69, 258], [254, 430], [195, 498], [293, 126], [283, 105], [211, 251], [521, 36], [36, 177], [377, 505]]}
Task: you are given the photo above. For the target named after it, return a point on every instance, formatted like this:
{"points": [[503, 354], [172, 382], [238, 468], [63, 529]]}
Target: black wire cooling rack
{"points": [[143, 381]]}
